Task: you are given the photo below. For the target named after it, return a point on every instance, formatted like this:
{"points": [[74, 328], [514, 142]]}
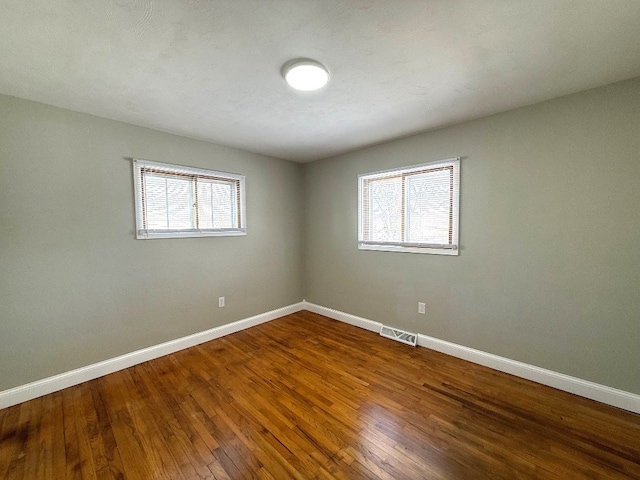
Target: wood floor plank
{"points": [[118, 400], [46, 438], [73, 461], [18, 441], [153, 441], [305, 397], [10, 439]]}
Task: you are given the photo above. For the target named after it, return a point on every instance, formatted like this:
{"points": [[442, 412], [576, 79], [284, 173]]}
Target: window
{"points": [[174, 201], [413, 209]]}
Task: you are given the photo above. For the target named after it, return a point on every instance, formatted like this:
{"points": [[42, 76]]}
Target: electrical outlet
{"points": [[422, 308], [220, 301]]}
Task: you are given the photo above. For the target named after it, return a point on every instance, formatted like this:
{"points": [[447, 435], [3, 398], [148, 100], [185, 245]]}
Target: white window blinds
{"points": [[412, 209], [177, 201]]}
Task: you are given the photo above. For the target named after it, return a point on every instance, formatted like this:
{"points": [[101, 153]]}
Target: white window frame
{"points": [[405, 246], [143, 233]]}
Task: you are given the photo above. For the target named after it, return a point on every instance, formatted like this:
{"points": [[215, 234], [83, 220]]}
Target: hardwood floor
{"points": [[307, 397]]}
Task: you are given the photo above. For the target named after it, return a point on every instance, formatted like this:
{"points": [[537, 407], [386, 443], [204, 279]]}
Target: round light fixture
{"points": [[305, 75]]}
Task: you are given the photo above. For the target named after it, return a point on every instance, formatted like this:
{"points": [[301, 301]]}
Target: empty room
{"points": [[343, 239]]}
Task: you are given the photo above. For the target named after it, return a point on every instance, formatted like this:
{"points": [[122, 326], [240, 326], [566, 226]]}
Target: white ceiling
{"points": [[211, 69]]}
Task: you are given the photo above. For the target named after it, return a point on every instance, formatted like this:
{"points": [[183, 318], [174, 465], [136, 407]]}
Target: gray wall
{"points": [[549, 268], [77, 288]]}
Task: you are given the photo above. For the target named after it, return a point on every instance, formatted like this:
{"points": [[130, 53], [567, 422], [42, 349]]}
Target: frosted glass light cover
{"points": [[306, 76]]}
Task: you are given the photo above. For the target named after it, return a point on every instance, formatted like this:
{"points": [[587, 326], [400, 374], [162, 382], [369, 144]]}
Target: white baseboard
{"points": [[584, 388], [343, 317], [601, 393], [45, 386]]}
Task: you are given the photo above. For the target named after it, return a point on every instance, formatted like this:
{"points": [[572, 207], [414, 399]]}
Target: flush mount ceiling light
{"points": [[305, 75]]}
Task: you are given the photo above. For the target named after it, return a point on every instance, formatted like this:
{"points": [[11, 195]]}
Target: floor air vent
{"points": [[399, 335]]}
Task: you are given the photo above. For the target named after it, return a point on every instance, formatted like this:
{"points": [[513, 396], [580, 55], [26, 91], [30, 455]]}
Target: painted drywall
{"points": [[76, 287], [549, 265]]}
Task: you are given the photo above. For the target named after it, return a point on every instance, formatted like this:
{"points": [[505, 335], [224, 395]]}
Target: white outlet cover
{"points": [[220, 301], [421, 308]]}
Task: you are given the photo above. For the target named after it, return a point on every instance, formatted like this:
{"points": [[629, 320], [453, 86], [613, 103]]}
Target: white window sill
{"points": [[408, 249], [150, 235]]}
